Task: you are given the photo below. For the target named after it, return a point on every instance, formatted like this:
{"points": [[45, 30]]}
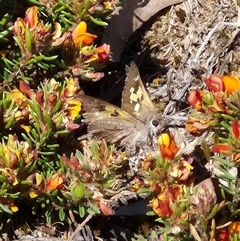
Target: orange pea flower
{"points": [[234, 228], [235, 157], [31, 20], [181, 171], [103, 53], [81, 36], [167, 146], [231, 83], [71, 88], [56, 181], [161, 204], [30, 32], [218, 104], [197, 126], [19, 98]]}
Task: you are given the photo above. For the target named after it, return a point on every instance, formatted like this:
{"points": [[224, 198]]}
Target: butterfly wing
{"points": [[135, 98], [106, 121]]}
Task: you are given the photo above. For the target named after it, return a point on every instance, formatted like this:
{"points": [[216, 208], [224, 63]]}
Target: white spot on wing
{"points": [[133, 97], [137, 107], [139, 93], [131, 89], [137, 78]]}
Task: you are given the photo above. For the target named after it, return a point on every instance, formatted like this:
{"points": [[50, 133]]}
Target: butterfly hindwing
{"points": [[106, 121]]}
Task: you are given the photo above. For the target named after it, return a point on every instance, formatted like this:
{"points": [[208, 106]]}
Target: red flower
{"points": [[103, 53], [236, 129], [31, 17], [215, 83], [195, 99], [24, 88], [221, 148], [106, 210], [223, 236], [226, 83]]}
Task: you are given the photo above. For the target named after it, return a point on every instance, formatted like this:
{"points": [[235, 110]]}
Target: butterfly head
{"points": [[156, 126]]}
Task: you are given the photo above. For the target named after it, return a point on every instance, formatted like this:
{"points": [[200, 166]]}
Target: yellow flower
{"points": [[19, 98], [13, 207], [71, 88], [28, 154], [107, 5], [39, 179], [11, 155], [26, 128], [73, 109], [33, 194], [80, 35]]}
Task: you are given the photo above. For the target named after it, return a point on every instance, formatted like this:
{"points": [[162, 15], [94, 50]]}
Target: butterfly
{"points": [[135, 125]]}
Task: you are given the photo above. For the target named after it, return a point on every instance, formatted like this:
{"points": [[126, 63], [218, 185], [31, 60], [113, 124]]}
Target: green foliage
{"points": [[46, 48]]}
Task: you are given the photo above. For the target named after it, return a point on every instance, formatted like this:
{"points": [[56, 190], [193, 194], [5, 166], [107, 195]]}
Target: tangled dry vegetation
{"points": [[52, 186]]}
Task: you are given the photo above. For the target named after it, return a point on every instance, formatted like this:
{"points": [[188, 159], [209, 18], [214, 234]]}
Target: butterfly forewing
{"points": [[135, 99]]}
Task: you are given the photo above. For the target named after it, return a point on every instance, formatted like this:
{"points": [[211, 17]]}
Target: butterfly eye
{"points": [[155, 123]]}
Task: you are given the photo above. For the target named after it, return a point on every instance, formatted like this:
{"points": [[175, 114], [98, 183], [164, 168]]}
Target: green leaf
{"points": [[18, 43], [62, 214], [87, 4], [98, 21], [36, 110], [81, 211], [223, 190], [226, 174], [224, 162], [48, 215], [10, 121], [93, 209], [5, 209], [213, 212], [28, 39], [78, 191], [225, 125], [236, 213]]}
